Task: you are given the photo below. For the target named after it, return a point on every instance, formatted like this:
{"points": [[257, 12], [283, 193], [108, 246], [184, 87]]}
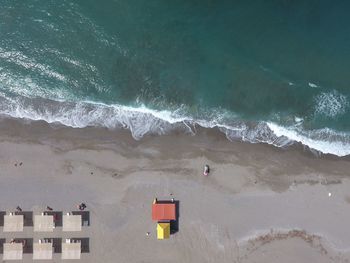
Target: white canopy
{"points": [[72, 223], [13, 223], [43, 223], [42, 250], [13, 251], [71, 250]]}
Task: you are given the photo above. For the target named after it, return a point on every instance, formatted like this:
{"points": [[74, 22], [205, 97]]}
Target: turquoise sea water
{"points": [[262, 71]]}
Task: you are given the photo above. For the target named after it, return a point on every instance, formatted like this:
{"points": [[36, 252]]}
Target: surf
{"points": [[142, 121]]}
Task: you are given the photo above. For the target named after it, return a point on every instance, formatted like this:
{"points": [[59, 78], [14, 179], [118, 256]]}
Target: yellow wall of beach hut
{"points": [[163, 230]]}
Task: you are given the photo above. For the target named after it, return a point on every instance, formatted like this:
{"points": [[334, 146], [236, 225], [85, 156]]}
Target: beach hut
{"points": [[13, 223], [42, 250], [163, 212], [13, 251], [71, 250], [72, 222], [43, 223], [163, 230]]}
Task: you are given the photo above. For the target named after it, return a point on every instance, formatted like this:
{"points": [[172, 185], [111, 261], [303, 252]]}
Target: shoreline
{"points": [[40, 128], [274, 201], [144, 122]]}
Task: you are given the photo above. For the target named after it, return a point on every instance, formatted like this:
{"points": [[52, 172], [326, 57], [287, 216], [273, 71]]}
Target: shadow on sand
{"points": [[174, 225]]}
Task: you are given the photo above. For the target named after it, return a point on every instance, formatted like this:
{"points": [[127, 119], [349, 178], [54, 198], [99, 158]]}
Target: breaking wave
{"points": [[142, 121]]}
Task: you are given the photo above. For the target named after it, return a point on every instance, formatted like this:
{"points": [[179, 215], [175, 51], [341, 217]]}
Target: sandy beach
{"points": [[259, 203]]}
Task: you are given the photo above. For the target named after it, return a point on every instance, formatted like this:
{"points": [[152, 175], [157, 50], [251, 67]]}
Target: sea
{"points": [[272, 71]]}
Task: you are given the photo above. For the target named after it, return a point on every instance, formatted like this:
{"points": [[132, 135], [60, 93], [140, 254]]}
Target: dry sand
{"points": [[259, 203]]}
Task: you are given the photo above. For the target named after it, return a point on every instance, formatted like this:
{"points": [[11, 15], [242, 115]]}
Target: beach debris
{"points": [[19, 209], [329, 194], [148, 233], [92, 173], [20, 164], [16, 164], [206, 170]]}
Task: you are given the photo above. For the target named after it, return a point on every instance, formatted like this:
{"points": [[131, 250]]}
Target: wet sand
{"points": [[259, 203]]}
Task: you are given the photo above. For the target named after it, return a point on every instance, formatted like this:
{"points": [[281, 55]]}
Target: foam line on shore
{"points": [[143, 121]]}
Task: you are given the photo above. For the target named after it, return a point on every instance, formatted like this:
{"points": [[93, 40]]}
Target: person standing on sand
{"points": [[82, 206], [206, 170]]}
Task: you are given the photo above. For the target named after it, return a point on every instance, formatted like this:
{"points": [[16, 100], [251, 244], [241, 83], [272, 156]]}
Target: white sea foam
{"points": [[331, 104], [298, 119], [26, 87], [323, 140], [312, 85], [142, 121], [19, 59]]}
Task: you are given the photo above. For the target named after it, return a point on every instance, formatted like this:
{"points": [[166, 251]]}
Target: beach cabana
{"points": [[13, 223], [43, 223], [163, 211], [72, 222], [71, 250], [163, 230], [13, 251], [42, 250]]}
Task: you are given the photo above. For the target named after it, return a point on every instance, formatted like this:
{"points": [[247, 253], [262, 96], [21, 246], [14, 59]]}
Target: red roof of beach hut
{"points": [[163, 211]]}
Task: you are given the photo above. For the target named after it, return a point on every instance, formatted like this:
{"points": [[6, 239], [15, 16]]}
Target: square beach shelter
{"points": [[43, 223], [163, 211], [71, 250], [42, 250], [72, 222], [13, 251], [13, 223]]}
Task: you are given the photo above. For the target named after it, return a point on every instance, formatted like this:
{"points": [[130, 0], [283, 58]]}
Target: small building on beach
{"points": [[163, 212]]}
